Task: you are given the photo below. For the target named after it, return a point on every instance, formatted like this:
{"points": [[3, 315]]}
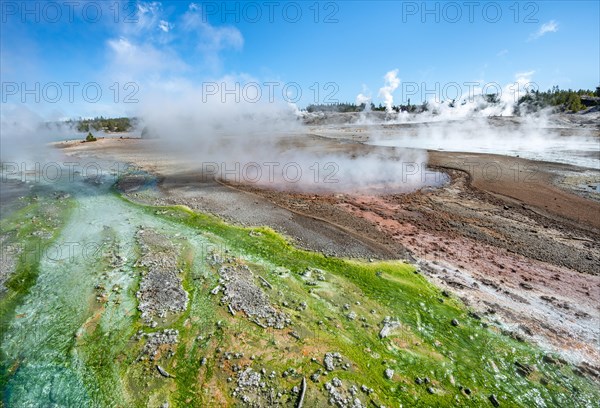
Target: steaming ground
{"points": [[561, 138]]}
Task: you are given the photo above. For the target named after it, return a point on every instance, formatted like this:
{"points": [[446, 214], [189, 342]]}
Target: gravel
{"points": [[158, 339], [249, 378], [242, 294], [161, 289]]}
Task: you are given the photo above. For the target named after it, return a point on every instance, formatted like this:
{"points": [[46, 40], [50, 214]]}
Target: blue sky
{"points": [[341, 48]]}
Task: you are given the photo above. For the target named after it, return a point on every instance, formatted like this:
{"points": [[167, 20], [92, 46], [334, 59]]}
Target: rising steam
{"points": [[391, 84], [265, 143], [482, 123]]}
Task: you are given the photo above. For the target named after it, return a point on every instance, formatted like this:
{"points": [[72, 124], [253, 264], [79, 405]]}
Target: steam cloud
{"points": [[266, 143], [391, 84], [478, 123], [266, 137], [24, 135]]}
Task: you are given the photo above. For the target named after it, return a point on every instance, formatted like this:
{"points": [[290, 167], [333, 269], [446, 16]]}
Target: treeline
{"points": [[566, 100], [335, 107], [352, 107], [101, 123]]}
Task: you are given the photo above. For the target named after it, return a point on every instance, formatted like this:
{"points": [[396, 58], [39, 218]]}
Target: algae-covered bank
{"points": [[112, 303]]}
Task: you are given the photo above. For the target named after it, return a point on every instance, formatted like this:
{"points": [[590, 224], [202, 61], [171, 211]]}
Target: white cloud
{"points": [[153, 50], [148, 7], [502, 53], [549, 27], [148, 17], [211, 38], [130, 60], [524, 76], [165, 26]]}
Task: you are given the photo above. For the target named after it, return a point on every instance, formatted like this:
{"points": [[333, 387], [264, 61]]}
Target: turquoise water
{"points": [[42, 340]]}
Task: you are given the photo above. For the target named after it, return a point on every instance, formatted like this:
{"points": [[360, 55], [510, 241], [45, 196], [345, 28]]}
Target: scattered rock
{"points": [[249, 378], [475, 315], [388, 327], [526, 286], [339, 397], [524, 369], [241, 294], [585, 368], [161, 289], [156, 341], [549, 359], [331, 360]]}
